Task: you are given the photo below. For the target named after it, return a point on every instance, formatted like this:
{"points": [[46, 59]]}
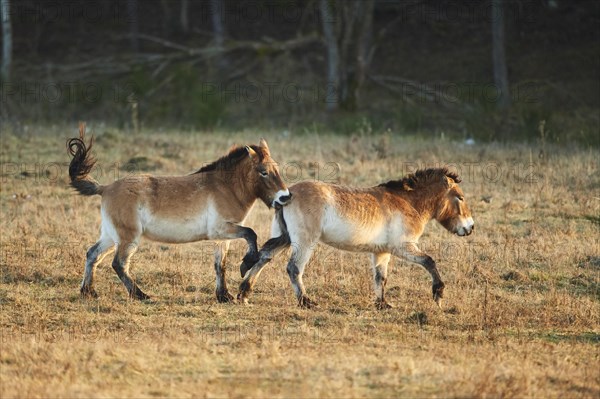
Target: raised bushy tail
{"points": [[82, 163]]}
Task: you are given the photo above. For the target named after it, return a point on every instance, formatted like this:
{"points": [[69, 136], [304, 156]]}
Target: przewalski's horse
{"points": [[209, 204], [384, 220]]}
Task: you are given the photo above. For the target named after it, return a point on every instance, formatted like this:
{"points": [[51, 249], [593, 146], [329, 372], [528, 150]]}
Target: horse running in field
{"points": [[210, 204], [384, 220]]}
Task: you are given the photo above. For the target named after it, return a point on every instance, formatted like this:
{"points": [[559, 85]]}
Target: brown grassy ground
{"points": [[522, 315]]}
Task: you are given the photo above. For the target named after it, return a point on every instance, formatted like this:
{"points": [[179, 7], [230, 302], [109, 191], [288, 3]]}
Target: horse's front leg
{"points": [[232, 231], [380, 270], [271, 248], [252, 255], [411, 252], [222, 293]]}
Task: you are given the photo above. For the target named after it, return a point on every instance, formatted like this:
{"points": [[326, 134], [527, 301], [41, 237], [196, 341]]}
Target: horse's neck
{"points": [[425, 200], [235, 182]]}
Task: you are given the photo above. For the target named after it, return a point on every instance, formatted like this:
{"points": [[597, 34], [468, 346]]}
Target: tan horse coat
{"points": [[210, 204], [384, 220]]}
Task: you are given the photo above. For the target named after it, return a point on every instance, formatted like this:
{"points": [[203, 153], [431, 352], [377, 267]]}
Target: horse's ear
{"points": [[263, 143], [252, 153]]}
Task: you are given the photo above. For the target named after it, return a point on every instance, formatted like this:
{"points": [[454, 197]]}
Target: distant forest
{"points": [[492, 69]]}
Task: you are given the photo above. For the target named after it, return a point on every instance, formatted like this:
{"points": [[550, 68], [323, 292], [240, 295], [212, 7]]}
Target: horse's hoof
{"points": [[438, 290], [224, 297], [306, 303], [139, 295], [382, 305], [88, 292], [243, 299]]}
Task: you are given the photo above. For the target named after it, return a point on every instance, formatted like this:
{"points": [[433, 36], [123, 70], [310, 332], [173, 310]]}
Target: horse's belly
{"points": [[353, 236], [165, 230], [174, 229]]}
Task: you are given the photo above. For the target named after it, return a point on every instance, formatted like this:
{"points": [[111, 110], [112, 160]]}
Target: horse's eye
{"points": [[263, 173]]}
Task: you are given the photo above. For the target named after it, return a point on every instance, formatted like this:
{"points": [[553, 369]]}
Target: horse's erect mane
{"points": [[419, 178], [229, 161]]}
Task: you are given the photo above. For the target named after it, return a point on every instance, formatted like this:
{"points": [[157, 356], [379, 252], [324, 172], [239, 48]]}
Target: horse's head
{"points": [[270, 188], [453, 212]]}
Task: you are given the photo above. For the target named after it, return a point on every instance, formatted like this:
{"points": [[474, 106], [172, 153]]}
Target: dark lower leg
{"points": [[222, 292], [121, 268], [271, 248], [252, 255], [412, 253], [437, 285], [94, 256], [380, 282], [251, 276], [296, 279], [87, 285]]}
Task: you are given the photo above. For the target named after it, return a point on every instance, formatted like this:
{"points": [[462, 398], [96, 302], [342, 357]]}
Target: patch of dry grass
{"points": [[522, 314]]}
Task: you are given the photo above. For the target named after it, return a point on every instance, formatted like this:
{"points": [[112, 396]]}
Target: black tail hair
{"points": [[284, 239], [82, 163]]}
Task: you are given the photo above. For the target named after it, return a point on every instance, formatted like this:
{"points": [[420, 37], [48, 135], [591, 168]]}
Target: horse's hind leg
{"points": [[94, 256], [411, 252], [380, 270], [121, 266], [223, 294], [295, 268]]}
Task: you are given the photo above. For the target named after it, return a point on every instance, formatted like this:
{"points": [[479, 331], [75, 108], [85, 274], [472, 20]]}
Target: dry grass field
{"points": [[522, 303]]}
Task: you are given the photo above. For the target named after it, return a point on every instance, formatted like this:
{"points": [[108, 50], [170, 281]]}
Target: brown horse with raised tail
{"points": [[210, 204]]}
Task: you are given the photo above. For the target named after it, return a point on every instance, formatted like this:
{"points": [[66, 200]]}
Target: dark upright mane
{"points": [[229, 161], [419, 178]]}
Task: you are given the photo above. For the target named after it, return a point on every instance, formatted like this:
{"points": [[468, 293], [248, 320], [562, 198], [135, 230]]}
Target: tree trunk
{"points": [[350, 11], [498, 55], [183, 16], [132, 12], [169, 22], [363, 48], [6, 39], [217, 14], [333, 57], [347, 32]]}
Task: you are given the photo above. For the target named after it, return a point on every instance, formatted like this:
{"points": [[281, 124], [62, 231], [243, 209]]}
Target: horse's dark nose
{"points": [[285, 198], [282, 197]]}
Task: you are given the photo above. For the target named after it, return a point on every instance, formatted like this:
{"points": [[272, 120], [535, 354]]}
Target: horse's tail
{"points": [[81, 164], [283, 240]]}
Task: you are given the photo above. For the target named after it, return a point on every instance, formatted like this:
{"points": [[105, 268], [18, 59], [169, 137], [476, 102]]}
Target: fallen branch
{"points": [[114, 66]]}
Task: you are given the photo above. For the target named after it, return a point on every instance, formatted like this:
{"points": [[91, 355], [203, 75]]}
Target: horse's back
{"points": [[170, 196]]}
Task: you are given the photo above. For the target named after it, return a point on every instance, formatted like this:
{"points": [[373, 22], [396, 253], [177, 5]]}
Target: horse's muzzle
{"points": [[282, 198], [465, 231], [466, 227], [285, 199]]}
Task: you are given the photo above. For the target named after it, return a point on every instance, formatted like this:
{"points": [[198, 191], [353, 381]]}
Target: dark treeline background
{"points": [[492, 69]]}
